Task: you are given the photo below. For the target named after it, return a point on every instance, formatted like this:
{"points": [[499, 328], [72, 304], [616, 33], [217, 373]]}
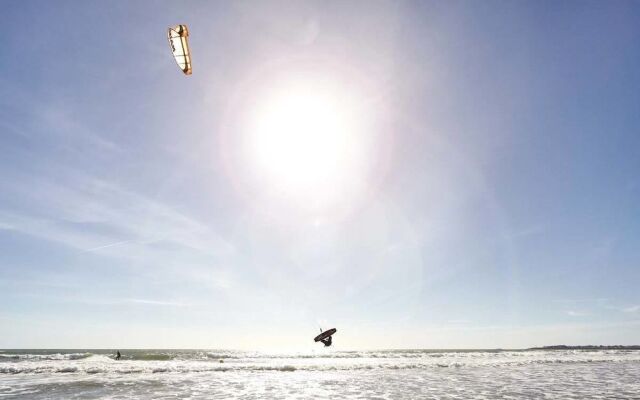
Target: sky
{"points": [[455, 174]]}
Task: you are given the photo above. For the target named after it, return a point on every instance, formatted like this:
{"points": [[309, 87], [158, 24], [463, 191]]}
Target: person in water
{"points": [[118, 355], [326, 341]]}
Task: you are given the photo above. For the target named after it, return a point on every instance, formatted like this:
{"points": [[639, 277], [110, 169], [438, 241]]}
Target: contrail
{"points": [[108, 245]]}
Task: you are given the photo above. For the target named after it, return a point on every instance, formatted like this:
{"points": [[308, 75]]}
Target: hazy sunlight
{"points": [[306, 142]]}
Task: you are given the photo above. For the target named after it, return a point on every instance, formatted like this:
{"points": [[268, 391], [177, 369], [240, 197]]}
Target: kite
{"points": [[177, 36]]}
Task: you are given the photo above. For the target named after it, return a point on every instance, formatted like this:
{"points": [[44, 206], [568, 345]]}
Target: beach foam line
{"points": [[203, 367], [38, 357]]}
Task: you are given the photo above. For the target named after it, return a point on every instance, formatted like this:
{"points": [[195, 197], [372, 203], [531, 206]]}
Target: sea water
{"points": [[323, 374]]}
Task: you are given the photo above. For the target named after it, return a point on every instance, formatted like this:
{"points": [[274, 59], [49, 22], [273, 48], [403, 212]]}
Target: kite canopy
{"points": [[180, 47]]}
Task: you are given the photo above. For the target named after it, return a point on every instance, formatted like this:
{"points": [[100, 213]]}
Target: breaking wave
{"points": [[200, 367], [323, 374]]}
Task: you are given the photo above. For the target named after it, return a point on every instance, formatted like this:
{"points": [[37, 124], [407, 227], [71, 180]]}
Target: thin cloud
{"points": [[529, 231], [90, 214], [108, 245], [572, 313], [598, 300], [102, 301], [5, 227], [157, 302]]}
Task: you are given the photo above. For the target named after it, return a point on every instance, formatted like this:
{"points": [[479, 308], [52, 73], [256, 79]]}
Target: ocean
{"points": [[322, 374]]}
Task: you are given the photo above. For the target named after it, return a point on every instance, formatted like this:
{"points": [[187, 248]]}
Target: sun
{"points": [[306, 141]]}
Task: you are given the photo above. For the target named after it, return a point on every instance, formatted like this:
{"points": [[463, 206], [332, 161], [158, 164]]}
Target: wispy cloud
{"points": [[597, 300], [632, 309], [104, 219], [52, 121], [458, 321], [90, 214], [572, 313], [107, 301], [108, 245], [529, 231], [582, 307], [63, 198], [157, 302], [5, 226]]}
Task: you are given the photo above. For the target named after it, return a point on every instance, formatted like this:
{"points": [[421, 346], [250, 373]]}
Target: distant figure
{"points": [[327, 341], [118, 355]]}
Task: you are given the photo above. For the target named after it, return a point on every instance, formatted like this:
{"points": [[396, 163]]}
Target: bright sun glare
{"points": [[306, 141]]}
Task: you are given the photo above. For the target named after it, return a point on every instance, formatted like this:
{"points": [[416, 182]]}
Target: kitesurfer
{"points": [[325, 337], [118, 355]]}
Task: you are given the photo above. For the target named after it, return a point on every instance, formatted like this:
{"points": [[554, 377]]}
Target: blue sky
{"points": [[487, 193]]}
